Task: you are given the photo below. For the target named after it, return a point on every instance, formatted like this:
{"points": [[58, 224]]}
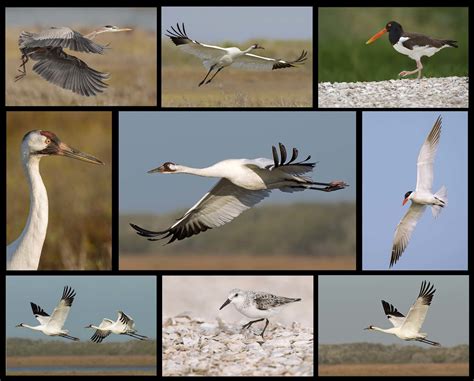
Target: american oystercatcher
{"points": [[413, 45]]}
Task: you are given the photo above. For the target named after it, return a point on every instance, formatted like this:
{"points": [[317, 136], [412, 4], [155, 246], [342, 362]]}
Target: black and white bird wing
{"points": [[250, 61], [203, 51], [417, 313], [40, 314], [291, 166], [224, 202], [70, 73], [63, 37], [404, 230], [60, 313], [103, 331], [265, 301], [414, 40], [395, 316], [126, 320], [424, 180]]}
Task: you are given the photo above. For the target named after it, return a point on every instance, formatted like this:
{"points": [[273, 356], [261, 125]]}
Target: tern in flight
{"points": [[422, 196]]}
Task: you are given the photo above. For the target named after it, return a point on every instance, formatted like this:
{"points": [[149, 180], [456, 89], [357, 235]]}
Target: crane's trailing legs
{"points": [[209, 72]]}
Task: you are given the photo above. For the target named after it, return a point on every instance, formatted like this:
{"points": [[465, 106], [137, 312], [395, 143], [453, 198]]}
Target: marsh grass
{"points": [[292, 87]]}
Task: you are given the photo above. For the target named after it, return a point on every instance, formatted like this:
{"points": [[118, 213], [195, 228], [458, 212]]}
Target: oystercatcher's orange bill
{"points": [[375, 36]]}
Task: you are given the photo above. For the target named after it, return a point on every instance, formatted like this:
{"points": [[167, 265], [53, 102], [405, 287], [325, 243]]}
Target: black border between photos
{"points": [[115, 173]]}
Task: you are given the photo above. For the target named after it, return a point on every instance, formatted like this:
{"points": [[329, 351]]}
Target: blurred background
{"points": [[97, 297], [80, 194], [283, 31], [348, 304], [436, 244], [130, 59], [302, 230], [344, 56], [202, 296]]}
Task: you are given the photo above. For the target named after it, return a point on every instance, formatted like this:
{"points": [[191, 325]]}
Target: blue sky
{"points": [[348, 304], [96, 297], [391, 143], [31, 18], [200, 139], [216, 24]]}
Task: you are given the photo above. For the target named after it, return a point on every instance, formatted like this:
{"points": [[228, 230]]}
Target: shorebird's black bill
{"points": [[225, 304]]}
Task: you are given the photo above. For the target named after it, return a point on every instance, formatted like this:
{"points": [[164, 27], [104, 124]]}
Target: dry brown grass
{"points": [[232, 87], [449, 369], [130, 261], [79, 232], [100, 361], [131, 61], [81, 361]]}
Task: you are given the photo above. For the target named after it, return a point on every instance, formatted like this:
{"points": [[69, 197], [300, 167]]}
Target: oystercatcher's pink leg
{"points": [[419, 67]]}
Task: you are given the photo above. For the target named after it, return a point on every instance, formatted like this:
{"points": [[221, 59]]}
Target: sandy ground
{"points": [[203, 295], [449, 369], [409, 93], [192, 346]]}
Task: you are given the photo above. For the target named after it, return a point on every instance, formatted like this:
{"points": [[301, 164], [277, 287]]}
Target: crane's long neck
{"points": [[36, 328], [211, 171], [27, 248], [247, 50], [388, 330]]}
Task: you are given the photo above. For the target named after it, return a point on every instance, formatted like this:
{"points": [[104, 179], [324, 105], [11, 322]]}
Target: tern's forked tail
{"points": [[442, 197]]}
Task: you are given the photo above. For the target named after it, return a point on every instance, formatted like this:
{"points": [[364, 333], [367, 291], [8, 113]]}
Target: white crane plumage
{"points": [[217, 58], [243, 183], [25, 252], [422, 196], [408, 327], [124, 325], [53, 325]]}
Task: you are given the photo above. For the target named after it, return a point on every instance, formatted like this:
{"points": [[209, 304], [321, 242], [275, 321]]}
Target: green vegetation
{"points": [[344, 56], [80, 194], [300, 229], [366, 353], [28, 347], [233, 87]]}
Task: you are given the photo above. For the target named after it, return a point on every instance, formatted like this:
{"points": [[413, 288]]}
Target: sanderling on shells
{"points": [[257, 304]]}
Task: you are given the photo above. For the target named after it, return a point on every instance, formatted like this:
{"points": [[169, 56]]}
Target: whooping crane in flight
{"points": [[215, 57], [422, 196], [53, 325], [243, 184], [62, 69], [124, 325], [25, 252], [408, 327]]}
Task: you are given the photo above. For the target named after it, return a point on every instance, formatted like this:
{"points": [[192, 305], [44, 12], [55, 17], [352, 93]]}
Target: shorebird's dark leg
{"points": [[251, 322], [209, 72], [22, 68], [266, 324], [214, 74]]}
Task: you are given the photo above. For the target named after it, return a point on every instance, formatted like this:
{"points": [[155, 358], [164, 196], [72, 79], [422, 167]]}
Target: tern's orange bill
{"points": [[376, 36]]}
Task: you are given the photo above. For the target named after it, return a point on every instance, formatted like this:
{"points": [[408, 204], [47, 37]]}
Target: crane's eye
{"points": [[236, 295], [48, 141]]}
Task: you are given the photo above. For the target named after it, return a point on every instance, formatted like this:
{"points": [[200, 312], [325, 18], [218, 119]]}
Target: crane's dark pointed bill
{"points": [[65, 150], [225, 304]]}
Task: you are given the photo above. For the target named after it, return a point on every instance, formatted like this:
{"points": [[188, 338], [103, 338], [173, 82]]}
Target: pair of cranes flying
{"points": [[52, 325], [69, 72]]}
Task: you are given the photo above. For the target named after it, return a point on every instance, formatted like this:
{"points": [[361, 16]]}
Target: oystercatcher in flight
{"points": [[413, 45]]}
